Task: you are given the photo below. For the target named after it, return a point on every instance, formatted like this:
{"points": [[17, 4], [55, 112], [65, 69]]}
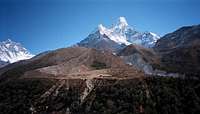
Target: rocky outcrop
{"points": [[87, 90]]}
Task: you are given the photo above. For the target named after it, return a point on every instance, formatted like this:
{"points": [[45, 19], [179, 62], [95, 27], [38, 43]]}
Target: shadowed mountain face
{"points": [[183, 37], [180, 51]]}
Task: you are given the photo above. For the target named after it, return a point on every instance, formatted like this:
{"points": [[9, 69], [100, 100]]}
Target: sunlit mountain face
{"points": [[118, 36], [11, 52]]}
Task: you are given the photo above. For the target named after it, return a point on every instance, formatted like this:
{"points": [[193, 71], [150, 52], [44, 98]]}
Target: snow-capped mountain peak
{"points": [[113, 35], [102, 29], [121, 34], [11, 52], [122, 22], [155, 35]]}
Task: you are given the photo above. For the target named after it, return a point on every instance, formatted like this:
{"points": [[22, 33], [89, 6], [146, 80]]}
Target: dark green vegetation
{"points": [[98, 65], [183, 60], [153, 95], [67, 98], [17, 96]]}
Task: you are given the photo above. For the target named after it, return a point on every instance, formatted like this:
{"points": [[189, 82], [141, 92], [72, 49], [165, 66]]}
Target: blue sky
{"points": [[42, 25]]}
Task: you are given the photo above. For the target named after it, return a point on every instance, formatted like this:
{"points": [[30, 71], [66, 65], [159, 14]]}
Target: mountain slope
{"points": [[11, 52], [77, 68], [79, 80], [180, 51], [140, 57], [100, 42], [117, 37], [66, 61], [184, 37]]}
